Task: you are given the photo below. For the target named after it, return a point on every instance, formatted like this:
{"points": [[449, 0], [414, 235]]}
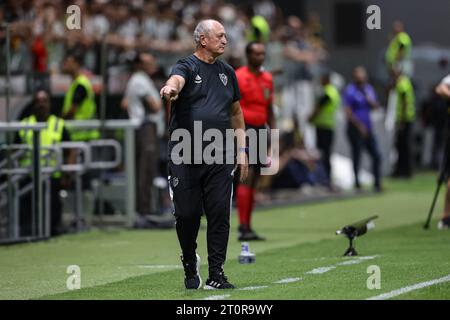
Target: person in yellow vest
{"points": [[79, 101], [54, 133], [405, 116], [399, 49], [259, 30], [324, 119]]}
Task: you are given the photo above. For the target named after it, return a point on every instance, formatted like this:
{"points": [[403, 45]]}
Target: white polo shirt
{"points": [[139, 87]]}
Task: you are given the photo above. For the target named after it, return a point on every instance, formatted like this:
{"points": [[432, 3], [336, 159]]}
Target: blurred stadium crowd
{"points": [[296, 55], [40, 37]]}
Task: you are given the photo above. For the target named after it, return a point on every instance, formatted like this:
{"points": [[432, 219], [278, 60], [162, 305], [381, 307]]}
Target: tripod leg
{"points": [[430, 213], [443, 176]]}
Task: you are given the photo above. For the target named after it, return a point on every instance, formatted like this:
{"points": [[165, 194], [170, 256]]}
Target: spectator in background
{"points": [[324, 119], [144, 105], [298, 167], [259, 30], [398, 52], [54, 133], [443, 89], [297, 93], [405, 115], [79, 101], [54, 35], [359, 100]]}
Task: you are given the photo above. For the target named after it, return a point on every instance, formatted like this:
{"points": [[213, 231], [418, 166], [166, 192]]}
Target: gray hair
{"points": [[203, 28]]}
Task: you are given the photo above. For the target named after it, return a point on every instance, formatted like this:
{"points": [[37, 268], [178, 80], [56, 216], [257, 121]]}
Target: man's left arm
{"points": [[371, 98], [322, 101], [271, 114], [78, 96], [272, 120], [69, 157], [238, 124]]}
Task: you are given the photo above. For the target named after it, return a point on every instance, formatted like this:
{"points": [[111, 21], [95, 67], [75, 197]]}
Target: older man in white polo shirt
{"points": [[143, 103]]}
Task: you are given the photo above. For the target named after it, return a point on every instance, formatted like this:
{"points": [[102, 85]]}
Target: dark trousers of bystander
{"points": [[147, 159], [403, 166], [358, 143], [324, 144], [28, 223]]}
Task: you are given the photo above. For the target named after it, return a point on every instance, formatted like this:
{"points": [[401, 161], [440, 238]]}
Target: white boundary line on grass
{"points": [[356, 260], [287, 280], [407, 289], [318, 270], [321, 270], [218, 297], [253, 288]]}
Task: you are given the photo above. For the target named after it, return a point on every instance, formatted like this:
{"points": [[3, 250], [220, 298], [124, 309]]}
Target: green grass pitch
{"points": [[301, 247]]}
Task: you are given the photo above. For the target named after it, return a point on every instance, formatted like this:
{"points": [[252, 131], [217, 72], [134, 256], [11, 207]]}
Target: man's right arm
{"points": [[172, 87], [350, 115], [443, 88], [354, 120], [78, 96]]}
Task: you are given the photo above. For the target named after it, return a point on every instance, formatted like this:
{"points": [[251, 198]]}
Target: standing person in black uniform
{"points": [[204, 90]]}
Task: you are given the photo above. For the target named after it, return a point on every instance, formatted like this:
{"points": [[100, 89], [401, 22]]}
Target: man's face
{"points": [[68, 65], [360, 75], [257, 55], [148, 64], [216, 40], [42, 104]]}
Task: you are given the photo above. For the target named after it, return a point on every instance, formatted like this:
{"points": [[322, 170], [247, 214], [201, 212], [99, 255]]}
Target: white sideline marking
{"points": [[349, 262], [159, 266], [218, 297], [344, 263], [321, 270], [253, 288], [288, 280], [291, 280], [355, 261], [368, 257], [403, 290]]}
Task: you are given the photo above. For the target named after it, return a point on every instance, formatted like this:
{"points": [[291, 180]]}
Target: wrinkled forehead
{"points": [[217, 28]]}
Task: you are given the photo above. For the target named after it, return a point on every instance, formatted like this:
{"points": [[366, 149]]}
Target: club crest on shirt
{"points": [[175, 181], [198, 79], [223, 78]]}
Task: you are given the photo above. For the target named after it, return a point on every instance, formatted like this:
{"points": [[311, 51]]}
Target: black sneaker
{"points": [[250, 236], [219, 281], [247, 234], [444, 223], [192, 279]]}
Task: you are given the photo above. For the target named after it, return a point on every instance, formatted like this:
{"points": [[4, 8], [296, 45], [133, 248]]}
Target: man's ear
{"points": [[203, 40]]}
